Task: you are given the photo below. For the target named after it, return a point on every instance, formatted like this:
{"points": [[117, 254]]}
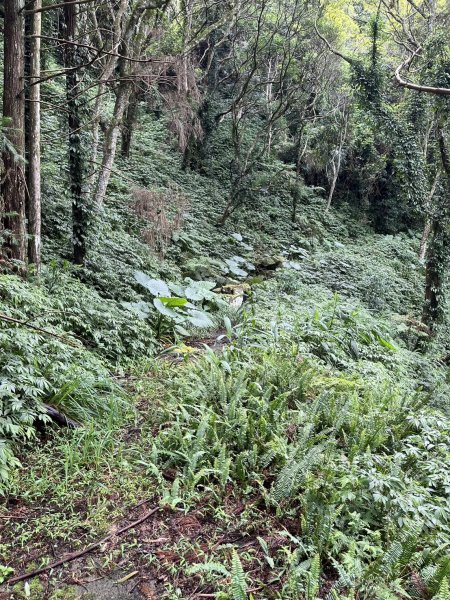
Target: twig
{"points": [[82, 552], [134, 586]]}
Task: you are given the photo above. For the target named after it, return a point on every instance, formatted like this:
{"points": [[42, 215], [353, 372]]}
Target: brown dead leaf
{"points": [[147, 591]]}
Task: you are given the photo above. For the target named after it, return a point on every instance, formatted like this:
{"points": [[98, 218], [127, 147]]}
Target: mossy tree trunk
{"points": [[13, 177], [73, 62], [33, 135]]}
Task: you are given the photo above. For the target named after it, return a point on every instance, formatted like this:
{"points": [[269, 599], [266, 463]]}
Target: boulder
{"points": [[269, 263]]}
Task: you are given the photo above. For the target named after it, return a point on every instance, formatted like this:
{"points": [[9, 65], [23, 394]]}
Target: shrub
{"points": [[163, 212]]}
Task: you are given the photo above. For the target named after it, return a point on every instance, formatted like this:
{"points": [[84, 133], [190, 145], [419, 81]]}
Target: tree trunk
{"points": [[108, 71], [128, 125], [13, 179], [424, 240], [434, 277], [336, 169], [337, 159], [110, 146], [80, 216], [428, 223], [298, 164], [33, 140]]}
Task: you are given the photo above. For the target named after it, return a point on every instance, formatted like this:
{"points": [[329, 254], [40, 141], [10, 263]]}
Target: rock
{"points": [[269, 263], [235, 288], [234, 293]]}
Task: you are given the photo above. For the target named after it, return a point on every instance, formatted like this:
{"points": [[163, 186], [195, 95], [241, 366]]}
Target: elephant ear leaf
{"points": [[234, 268], [165, 310], [156, 287], [173, 302], [198, 318], [200, 290]]}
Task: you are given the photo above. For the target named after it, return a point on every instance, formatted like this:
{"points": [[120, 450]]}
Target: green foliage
{"points": [[187, 308], [5, 572], [102, 325], [38, 368], [321, 430], [358, 460]]}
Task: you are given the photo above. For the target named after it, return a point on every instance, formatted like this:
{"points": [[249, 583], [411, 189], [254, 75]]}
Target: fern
{"points": [[208, 567], [444, 591], [238, 583], [313, 579]]}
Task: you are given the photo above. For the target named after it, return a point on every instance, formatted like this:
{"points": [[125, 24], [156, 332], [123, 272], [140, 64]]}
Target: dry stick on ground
{"points": [[82, 552]]}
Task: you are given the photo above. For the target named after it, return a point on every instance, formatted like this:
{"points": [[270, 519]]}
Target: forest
{"points": [[224, 299]]}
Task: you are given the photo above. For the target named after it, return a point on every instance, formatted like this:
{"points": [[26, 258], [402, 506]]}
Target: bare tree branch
{"points": [[414, 86]]}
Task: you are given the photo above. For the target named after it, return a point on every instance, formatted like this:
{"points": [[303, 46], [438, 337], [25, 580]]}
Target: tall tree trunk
{"points": [[336, 169], [108, 71], [128, 125], [13, 180], [424, 240], [337, 159], [438, 254], [298, 179], [33, 140], [129, 34], [80, 214], [428, 222], [434, 275], [110, 146]]}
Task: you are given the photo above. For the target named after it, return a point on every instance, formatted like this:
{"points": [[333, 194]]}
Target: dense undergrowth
{"points": [[316, 479], [314, 445]]}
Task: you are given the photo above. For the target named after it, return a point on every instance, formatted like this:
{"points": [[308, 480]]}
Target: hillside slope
{"points": [[303, 456]]}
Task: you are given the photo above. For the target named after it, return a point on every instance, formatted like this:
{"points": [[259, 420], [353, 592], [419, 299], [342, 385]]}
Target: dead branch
{"points": [[348, 59], [80, 553], [67, 340]]}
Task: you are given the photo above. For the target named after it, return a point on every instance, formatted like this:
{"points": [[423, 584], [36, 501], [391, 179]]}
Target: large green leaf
{"points": [[166, 311], [173, 302], [140, 309], [177, 289], [200, 290], [199, 319], [156, 287], [234, 268]]}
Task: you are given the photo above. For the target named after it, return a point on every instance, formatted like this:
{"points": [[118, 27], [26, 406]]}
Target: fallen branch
{"points": [[80, 553], [60, 418], [39, 329]]}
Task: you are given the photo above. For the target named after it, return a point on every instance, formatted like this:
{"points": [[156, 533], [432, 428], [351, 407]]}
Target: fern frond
{"points": [[313, 579], [238, 583], [444, 591], [208, 567]]}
